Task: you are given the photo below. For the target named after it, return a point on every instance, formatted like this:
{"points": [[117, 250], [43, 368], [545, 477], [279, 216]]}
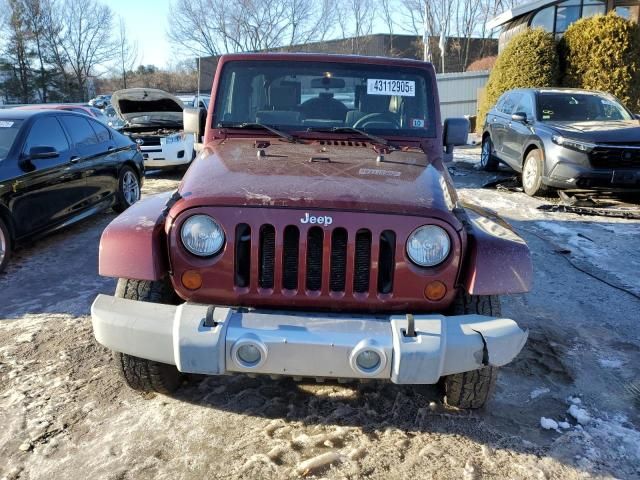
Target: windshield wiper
{"points": [[287, 136], [373, 138]]}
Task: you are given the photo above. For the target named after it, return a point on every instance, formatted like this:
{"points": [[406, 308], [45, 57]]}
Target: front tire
{"points": [[532, 174], [5, 245], [139, 373], [488, 161], [128, 191], [470, 390]]}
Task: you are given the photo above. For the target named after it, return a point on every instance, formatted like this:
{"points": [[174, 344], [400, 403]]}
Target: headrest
{"points": [[283, 97]]}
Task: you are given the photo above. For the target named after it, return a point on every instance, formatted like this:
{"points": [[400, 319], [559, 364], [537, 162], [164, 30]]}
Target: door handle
{"points": [[111, 148], [75, 159]]}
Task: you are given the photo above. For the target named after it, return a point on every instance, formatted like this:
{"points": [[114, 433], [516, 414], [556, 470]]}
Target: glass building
{"points": [[556, 16]]}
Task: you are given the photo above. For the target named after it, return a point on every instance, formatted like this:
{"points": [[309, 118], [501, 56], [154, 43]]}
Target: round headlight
{"points": [[428, 246], [202, 236]]}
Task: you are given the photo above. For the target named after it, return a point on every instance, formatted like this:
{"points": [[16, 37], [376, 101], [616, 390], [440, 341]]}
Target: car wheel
{"points": [[5, 245], [128, 189], [532, 174], [488, 161], [139, 373], [471, 389]]}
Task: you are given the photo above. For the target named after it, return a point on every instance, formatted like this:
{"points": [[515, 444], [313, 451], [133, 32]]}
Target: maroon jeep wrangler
{"points": [[317, 234]]}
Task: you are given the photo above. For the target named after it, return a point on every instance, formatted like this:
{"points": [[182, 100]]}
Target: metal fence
{"points": [[459, 92]]}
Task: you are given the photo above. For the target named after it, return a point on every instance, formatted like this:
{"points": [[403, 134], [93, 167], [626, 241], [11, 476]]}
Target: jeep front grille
{"points": [[345, 257]]}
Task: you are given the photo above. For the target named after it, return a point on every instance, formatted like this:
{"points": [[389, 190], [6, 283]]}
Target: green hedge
{"points": [[603, 53], [529, 60]]}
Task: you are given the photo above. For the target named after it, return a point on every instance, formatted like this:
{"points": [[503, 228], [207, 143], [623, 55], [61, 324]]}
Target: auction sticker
{"points": [[5, 124], [402, 88]]}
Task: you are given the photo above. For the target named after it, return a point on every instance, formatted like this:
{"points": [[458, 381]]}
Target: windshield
{"points": [[8, 132], [300, 96], [155, 118], [579, 107]]}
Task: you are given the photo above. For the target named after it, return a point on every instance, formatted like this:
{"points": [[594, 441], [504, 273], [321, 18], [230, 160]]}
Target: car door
{"points": [[498, 122], [50, 189], [88, 154], [105, 166], [517, 133], [504, 119]]}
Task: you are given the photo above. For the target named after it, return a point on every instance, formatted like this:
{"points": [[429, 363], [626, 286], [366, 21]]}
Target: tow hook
{"points": [[411, 327], [208, 319]]}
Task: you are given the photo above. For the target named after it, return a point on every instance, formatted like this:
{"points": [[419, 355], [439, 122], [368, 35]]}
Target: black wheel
{"points": [[139, 373], [473, 389], [128, 189], [488, 161], [5, 245], [532, 174]]}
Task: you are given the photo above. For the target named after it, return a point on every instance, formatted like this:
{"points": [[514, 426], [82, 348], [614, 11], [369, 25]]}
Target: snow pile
{"points": [[610, 362], [580, 414], [548, 423], [537, 392]]}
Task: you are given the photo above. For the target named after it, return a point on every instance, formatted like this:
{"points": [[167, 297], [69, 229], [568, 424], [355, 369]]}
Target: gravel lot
{"points": [[65, 414]]}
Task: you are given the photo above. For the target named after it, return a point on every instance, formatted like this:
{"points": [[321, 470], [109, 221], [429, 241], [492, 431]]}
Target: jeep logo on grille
{"points": [[320, 219]]}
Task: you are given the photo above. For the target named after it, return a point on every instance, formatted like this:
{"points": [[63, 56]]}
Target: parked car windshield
{"points": [[579, 107], [298, 96], [8, 131]]}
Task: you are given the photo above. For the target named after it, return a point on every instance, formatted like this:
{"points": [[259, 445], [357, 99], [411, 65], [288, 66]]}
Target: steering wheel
{"points": [[382, 117]]}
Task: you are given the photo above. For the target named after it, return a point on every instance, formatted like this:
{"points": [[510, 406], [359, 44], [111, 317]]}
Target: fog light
{"points": [[249, 354], [368, 360]]}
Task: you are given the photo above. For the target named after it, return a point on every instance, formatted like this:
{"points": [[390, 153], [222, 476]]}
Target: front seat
{"points": [[324, 107], [282, 107]]}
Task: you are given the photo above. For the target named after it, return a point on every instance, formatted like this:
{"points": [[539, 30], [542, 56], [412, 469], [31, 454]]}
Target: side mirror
{"points": [[455, 133], [191, 120], [40, 153], [637, 115], [519, 117]]}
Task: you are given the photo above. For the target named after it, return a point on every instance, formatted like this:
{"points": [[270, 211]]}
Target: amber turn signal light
{"points": [[435, 291], [191, 280]]}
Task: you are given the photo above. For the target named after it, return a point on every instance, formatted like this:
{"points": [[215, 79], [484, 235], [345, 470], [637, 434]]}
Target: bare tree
{"points": [[248, 25], [387, 13], [127, 53], [355, 18], [84, 39]]}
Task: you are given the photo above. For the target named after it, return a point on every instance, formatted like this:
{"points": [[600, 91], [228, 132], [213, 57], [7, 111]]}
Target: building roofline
{"points": [[518, 11]]}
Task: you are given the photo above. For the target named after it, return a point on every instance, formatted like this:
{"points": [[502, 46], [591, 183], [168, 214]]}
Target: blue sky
{"points": [[146, 22]]}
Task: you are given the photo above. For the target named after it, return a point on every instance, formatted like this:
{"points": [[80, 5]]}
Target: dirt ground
{"points": [[64, 413]]}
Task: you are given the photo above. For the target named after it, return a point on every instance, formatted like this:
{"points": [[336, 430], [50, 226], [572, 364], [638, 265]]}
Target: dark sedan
{"points": [[564, 138], [58, 167]]}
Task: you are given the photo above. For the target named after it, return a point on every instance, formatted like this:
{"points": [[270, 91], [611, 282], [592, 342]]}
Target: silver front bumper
{"points": [[203, 339]]}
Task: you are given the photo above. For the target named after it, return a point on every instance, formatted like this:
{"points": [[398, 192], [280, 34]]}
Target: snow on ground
{"points": [[65, 413]]}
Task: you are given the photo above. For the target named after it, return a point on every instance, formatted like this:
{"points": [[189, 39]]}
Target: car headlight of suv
{"points": [[175, 138], [585, 147], [428, 246], [202, 236]]}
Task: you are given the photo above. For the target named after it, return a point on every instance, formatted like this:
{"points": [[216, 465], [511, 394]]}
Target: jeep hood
{"points": [[134, 104], [319, 177]]}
